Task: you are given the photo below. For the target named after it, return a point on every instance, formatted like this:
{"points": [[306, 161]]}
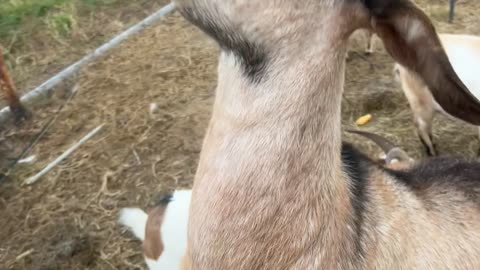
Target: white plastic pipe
{"points": [[44, 88]]}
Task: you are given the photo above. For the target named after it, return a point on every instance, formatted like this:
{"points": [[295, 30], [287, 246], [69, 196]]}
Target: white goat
{"points": [[163, 231], [464, 54], [275, 188]]}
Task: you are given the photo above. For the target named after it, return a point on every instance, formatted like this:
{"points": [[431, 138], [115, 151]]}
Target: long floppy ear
{"points": [[411, 39]]}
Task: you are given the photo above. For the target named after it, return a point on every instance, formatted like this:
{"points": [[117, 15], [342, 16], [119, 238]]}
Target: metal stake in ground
{"points": [[452, 11], [35, 178], [39, 135]]}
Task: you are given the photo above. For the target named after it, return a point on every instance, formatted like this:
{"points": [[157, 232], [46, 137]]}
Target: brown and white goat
{"points": [[163, 231], [464, 54], [276, 189]]}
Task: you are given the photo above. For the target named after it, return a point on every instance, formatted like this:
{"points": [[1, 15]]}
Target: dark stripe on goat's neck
{"points": [[250, 55], [356, 165]]}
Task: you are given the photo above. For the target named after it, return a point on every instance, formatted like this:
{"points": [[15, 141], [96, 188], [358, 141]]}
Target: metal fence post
{"points": [[452, 11]]}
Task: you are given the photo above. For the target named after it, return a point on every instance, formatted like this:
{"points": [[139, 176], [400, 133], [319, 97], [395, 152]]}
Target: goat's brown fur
{"points": [[153, 245], [275, 189]]}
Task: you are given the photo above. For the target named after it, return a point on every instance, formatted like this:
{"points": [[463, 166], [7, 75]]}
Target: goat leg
{"points": [[430, 148], [424, 131]]}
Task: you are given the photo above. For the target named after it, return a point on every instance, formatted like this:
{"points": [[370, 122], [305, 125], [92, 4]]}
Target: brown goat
{"points": [[276, 189]]}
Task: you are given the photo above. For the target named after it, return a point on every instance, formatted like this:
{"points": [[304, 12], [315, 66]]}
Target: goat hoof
{"points": [[430, 152]]}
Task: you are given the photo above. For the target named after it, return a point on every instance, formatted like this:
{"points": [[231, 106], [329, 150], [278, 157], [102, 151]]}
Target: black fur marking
{"points": [[427, 179], [443, 174], [356, 165], [250, 55]]}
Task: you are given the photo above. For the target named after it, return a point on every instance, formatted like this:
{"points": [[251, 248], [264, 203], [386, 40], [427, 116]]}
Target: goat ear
{"points": [[411, 39]]}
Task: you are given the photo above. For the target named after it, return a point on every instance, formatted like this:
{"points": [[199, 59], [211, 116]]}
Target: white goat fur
{"points": [[173, 230]]}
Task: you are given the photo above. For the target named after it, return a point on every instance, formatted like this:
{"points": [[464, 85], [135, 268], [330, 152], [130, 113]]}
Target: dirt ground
{"points": [[68, 219]]}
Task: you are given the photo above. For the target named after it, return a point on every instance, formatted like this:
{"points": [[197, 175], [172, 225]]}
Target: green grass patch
{"points": [[61, 23], [99, 2], [16, 13]]}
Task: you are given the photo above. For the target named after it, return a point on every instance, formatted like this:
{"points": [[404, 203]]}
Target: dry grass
{"points": [[39, 47], [172, 65], [68, 220]]}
